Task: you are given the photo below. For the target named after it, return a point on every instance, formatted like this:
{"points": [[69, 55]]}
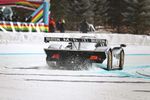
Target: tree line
{"points": [[121, 16]]}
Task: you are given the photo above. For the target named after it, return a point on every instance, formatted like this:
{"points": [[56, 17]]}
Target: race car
{"points": [[81, 53]]}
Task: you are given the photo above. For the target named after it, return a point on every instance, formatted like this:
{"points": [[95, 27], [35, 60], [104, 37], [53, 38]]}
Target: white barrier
{"points": [[24, 37]]}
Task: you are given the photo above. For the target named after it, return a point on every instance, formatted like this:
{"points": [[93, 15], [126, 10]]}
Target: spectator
{"points": [[7, 13], [58, 25], [14, 17], [61, 25], [84, 27], [1, 16], [52, 25]]}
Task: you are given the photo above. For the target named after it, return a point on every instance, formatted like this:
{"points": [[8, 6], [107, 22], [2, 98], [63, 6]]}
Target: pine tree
{"points": [[137, 16], [114, 13], [57, 8], [98, 10], [76, 10]]}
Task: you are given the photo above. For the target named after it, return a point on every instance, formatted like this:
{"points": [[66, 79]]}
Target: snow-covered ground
{"points": [[24, 74]]}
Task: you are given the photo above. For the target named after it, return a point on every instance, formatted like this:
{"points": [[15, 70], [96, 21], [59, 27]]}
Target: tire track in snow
{"points": [[146, 75], [88, 81], [24, 74]]}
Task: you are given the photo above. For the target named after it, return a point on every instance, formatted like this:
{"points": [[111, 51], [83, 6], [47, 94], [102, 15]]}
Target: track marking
{"points": [[14, 54], [142, 91], [25, 53], [137, 55]]}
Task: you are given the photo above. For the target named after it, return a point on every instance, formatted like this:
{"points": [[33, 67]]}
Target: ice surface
{"points": [[24, 74]]}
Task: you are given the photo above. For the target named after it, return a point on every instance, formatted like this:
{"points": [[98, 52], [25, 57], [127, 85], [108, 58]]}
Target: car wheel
{"points": [[121, 60], [109, 60]]}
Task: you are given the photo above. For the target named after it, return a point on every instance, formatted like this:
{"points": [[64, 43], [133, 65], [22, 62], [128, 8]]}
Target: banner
{"points": [[23, 27], [27, 3], [10, 1]]}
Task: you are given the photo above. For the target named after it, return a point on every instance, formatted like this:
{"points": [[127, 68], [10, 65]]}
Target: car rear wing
{"points": [[58, 39], [71, 41]]}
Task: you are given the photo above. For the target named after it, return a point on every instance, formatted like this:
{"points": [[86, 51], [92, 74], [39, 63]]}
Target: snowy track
{"points": [[24, 75], [31, 79], [45, 84]]}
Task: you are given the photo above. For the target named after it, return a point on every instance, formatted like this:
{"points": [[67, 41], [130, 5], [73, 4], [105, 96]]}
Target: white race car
{"points": [[80, 53]]}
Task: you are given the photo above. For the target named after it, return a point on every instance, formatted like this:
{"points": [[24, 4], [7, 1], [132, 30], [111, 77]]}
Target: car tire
{"points": [[121, 60], [109, 60]]}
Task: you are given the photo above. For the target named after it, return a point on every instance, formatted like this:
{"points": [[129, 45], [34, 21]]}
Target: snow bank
{"points": [[20, 37]]}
